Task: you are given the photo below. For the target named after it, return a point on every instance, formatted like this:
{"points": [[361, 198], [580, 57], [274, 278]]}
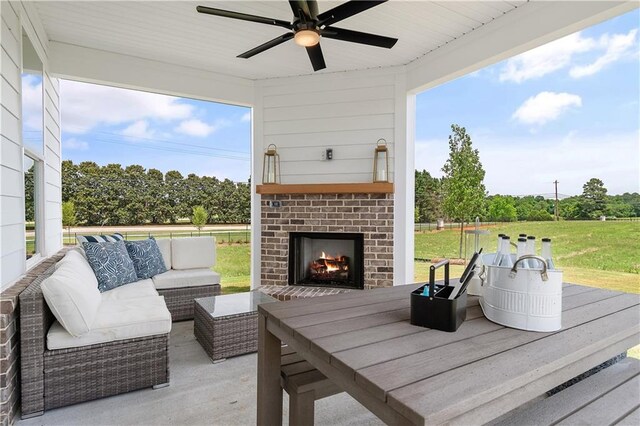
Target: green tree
{"points": [[570, 208], [463, 187], [502, 209], [29, 193], [199, 217], [428, 197], [68, 215], [134, 186], [594, 199], [155, 198], [176, 194], [539, 214], [70, 180], [619, 209]]}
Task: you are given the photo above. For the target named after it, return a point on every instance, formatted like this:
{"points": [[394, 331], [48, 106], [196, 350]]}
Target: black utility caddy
{"points": [[436, 310]]}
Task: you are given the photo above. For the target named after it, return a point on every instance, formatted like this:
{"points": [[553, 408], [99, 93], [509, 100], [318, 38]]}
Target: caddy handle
{"points": [[432, 276], [514, 270]]}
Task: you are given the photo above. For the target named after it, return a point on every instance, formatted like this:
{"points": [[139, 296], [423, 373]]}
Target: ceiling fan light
{"points": [[307, 38]]}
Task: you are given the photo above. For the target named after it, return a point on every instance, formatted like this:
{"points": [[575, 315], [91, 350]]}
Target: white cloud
{"points": [[617, 46], [73, 144], [139, 129], [195, 127], [85, 106], [545, 107], [529, 165], [561, 54], [246, 117], [545, 59]]}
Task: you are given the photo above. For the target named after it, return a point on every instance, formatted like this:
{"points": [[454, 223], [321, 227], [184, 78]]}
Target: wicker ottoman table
{"points": [[227, 325]]}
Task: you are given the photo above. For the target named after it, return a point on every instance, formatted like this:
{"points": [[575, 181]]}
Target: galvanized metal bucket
{"points": [[523, 298]]}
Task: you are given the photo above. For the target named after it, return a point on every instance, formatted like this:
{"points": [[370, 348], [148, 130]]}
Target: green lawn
{"points": [[602, 254], [233, 265]]}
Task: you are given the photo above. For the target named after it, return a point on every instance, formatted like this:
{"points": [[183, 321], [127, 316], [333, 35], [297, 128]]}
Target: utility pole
{"points": [[555, 207]]}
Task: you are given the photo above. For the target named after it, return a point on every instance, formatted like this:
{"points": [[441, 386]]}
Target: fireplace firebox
{"points": [[326, 259]]}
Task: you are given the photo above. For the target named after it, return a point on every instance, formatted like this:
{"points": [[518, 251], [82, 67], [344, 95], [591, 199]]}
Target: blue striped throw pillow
{"points": [[99, 238]]}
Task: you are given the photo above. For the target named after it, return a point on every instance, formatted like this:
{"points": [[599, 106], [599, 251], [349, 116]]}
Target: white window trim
{"points": [[38, 207], [38, 157]]}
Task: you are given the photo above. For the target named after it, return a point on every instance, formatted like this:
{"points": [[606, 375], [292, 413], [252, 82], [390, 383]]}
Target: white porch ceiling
{"points": [[173, 32]]}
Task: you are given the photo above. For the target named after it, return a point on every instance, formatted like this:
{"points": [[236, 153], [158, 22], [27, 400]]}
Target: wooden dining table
{"points": [[364, 343]]}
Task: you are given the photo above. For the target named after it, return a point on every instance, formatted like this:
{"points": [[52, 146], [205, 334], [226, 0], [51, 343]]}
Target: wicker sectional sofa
{"points": [[189, 276], [58, 368]]}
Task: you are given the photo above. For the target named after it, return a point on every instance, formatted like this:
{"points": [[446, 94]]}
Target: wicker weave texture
{"points": [[226, 336], [35, 320], [180, 300], [51, 379], [91, 372]]}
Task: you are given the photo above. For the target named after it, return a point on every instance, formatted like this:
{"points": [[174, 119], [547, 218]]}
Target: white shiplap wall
{"points": [[347, 112], [12, 236]]}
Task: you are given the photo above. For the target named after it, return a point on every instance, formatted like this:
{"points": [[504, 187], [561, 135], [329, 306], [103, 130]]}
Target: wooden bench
{"points": [[305, 385], [610, 396]]}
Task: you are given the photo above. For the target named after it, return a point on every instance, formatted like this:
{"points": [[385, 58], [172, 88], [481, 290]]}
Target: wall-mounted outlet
{"points": [[274, 203], [328, 154]]}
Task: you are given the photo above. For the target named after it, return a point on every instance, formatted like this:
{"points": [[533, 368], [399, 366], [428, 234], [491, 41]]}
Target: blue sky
{"points": [[111, 125], [567, 110]]}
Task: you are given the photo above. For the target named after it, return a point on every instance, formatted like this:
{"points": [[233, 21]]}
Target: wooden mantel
{"points": [[326, 188]]}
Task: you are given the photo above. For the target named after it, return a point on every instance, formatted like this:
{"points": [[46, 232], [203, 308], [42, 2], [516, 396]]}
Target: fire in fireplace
{"points": [[326, 259]]}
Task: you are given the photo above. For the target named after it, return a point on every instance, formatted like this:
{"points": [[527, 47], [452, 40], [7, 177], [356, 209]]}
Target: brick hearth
{"points": [[370, 214]]}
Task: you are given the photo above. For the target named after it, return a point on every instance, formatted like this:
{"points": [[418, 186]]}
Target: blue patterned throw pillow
{"points": [[111, 263], [147, 258]]}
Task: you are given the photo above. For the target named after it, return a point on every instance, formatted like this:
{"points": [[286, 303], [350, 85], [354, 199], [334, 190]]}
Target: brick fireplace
{"points": [[370, 214]]}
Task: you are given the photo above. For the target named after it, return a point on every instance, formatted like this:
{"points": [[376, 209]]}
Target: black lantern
{"points": [[271, 166], [381, 162]]}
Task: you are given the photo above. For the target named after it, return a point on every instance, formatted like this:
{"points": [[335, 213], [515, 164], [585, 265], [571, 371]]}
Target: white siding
{"points": [[53, 168], [303, 116], [12, 236], [348, 112]]}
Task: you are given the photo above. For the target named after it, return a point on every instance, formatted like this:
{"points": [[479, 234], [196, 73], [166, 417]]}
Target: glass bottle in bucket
{"points": [[521, 251], [496, 259], [546, 252], [505, 258], [531, 249]]}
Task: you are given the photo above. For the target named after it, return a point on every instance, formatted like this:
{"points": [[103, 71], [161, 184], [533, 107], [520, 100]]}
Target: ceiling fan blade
{"points": [[358, 37], [346, 10], [317, 59], [268, 45], [243, 16]]}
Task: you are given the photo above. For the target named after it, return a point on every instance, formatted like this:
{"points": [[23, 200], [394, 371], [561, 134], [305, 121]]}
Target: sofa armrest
{"points": [[35, 320]]}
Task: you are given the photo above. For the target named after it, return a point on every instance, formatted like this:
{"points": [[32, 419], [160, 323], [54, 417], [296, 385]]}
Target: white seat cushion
{"points": [[72, 294], [189, 278], [193, 252], [142, 288], [164, 244], [117, 320]]}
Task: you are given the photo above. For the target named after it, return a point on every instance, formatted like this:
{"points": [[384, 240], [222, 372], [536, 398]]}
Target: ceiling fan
{"points": [[308, 26]]}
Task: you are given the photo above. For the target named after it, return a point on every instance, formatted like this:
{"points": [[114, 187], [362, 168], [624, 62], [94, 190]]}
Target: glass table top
{"points": [[232, 304]]}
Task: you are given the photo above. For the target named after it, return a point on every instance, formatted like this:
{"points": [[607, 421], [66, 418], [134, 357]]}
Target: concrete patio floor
{"points": [[201, 392]]}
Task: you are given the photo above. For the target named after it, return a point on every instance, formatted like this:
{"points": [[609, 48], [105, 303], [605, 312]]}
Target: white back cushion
{"points": [[72, 294], [193, 252], [164, 244]]}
